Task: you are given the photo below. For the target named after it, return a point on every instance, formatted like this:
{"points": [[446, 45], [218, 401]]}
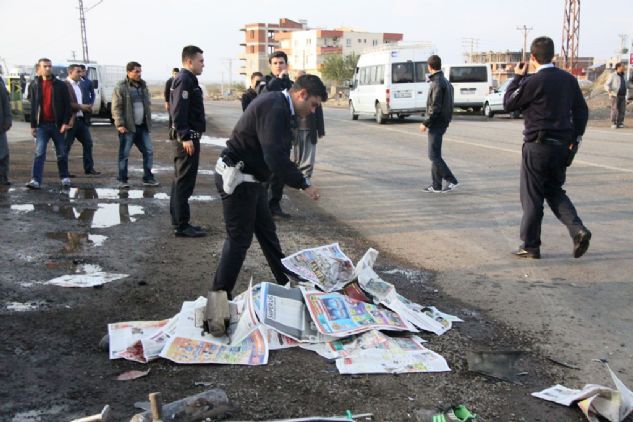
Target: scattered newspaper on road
{"points": [[595, 401], [326, 266], [338, 312]]}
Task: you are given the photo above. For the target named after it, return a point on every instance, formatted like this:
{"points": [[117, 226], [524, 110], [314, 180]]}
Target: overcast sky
{"points": [[153, 32]]}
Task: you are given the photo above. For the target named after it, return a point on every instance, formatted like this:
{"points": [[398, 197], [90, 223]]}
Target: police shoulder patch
{"points": [[185, 95]]}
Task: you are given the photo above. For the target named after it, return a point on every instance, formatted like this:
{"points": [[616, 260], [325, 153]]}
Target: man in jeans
{"points": [[50, 119], [6, 121], [439, 109], [616, 87], [80, 129], [131, 111]]}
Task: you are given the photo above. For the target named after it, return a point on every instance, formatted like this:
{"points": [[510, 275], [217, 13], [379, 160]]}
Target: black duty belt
{"points": [[552, 141]]}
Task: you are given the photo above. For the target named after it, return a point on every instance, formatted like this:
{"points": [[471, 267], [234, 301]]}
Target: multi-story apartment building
{"points": [[306, 48]]}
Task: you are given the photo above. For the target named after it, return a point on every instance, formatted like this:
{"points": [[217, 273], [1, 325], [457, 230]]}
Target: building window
{"points": [[374, 42], [251, 34], [348, 42], [360, 41], [365, 41]]}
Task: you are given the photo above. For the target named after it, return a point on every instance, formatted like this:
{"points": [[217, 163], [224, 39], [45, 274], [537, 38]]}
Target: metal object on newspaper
{"points": [[216, 313]]}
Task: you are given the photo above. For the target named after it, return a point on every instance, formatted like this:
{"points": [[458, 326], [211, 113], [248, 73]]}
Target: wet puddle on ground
{"points": [[108, 215], [85, 275], [22, 208], [209, 140], [74, 241]]}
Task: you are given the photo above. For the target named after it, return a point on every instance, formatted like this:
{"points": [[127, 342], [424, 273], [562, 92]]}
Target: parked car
{"points": [[103, 77], [493, 103], [390, 82]]}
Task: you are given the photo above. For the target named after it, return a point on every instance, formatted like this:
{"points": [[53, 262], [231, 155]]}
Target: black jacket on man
{"points": [[248, 97], [262, 140], [167, 90], [538, 96], [61, 102], [186, 105], [272, 83], [439, 103]]}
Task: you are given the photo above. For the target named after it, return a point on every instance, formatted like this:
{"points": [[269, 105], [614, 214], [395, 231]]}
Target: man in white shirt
{"points": [[80, 129]]}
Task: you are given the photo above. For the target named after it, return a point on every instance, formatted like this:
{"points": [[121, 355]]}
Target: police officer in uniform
{"points": [[555, 115], [187, 111], [261, 141]]}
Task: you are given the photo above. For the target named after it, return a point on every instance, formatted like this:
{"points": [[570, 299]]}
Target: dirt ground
{"points": [[53, 370]]}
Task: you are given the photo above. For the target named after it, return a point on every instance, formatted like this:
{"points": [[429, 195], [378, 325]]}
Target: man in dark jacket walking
{"points": [[555, 116], [166, 94], [439, 109], [51, 115]]}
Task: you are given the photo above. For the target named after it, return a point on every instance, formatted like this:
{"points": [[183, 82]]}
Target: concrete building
{"points": [[259, 42], [306, 48]]}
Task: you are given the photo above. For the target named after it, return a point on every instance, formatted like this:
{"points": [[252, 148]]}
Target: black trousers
{"points": [[246, 213], [439, 168], [543, 172], [185, 173], [275, 186], [81, 131]]}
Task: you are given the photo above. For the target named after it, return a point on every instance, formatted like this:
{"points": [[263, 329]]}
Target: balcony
{"points": [[329, 50]]}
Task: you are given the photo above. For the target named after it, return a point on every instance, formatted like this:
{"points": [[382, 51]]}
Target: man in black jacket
{"points": [[166, 94], [50, 118], [261, 141], [439, 109], [187, 110], [250, 94], [555, 116]]}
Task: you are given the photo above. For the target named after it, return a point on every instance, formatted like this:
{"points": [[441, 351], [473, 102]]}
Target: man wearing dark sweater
{"points": [[261, 141], [251, 92], [555, 115]]}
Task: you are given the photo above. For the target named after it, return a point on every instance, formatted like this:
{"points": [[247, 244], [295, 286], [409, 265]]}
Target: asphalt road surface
{"points": [[371, 178]]}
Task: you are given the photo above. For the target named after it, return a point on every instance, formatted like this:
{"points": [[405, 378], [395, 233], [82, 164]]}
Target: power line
{"points": [[470, 44], [525, 30]]}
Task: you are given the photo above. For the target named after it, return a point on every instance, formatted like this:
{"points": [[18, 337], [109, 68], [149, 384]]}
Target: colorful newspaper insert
{"points": [[326, 266], [252, 351], [340, 316], [125, 338]]}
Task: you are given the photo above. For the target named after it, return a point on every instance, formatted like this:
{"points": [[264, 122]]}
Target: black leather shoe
{"points": [[198, 228], [276, 211], [581, 242], [523, 253], [93, 172], [189, 231]]}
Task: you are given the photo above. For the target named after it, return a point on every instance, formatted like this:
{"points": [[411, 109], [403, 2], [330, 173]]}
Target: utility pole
{"points": [[82, 22], [525, 30], [230, 69], [571, 35], [470, 44], [623, 39]]}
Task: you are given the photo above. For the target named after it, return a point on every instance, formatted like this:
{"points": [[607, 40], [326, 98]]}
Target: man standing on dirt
{"points": [[166, 94], [277, 80], [80, 129], [439, 109], [132, 114], [51, 115], [555, 116], [6, 121], [617, 87], [260, 145], [187, 110], [87, 91]]}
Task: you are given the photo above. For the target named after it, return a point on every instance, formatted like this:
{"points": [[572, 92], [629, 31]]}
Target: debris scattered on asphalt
{"points": [[131, 375], [86, 275], [104, 416], [562, 363], [338, 313], [496, 364], [595, 401], [212, 403]]}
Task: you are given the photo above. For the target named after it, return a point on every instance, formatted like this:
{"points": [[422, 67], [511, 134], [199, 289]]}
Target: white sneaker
{"points": [[431, 189], [66, 182], [34, 184], [614, 126], [450, 187]]}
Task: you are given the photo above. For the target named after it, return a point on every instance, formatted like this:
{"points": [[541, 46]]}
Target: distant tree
{"points": [[339, 69]]}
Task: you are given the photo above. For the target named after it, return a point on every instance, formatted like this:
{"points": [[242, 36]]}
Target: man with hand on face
{"points": [[555, 116], [259, 146], [187, 111], [251, 92], [277, 80]]}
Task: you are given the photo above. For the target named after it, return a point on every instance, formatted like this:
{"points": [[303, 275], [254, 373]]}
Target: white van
{"points": [[390, 81], [471, 82]]}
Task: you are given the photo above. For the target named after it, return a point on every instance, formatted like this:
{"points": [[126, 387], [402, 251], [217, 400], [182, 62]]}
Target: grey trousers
{"points": [[618, 107], [4, 158], [304, 152]]}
